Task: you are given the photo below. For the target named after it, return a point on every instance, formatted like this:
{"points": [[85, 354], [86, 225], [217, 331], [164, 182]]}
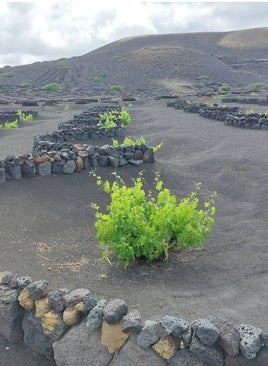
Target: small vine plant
{"points": [[139, 225]]}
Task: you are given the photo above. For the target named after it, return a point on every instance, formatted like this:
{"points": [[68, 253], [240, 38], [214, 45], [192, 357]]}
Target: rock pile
{"points": [[74, 328]]}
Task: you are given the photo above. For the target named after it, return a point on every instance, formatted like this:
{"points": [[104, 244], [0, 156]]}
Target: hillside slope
{"points": [[149, 65]]}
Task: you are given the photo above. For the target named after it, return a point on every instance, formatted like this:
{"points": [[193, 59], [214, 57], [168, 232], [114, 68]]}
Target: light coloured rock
{"points": [[42, 307], [71, 316], [79, 164], [82, 153], [24, 299], [112, 336], [166, 347], [49, 321], [250, 340], [80, 307]]}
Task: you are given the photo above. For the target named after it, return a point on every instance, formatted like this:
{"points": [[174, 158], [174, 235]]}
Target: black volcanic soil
{"points": [[47, 228]]}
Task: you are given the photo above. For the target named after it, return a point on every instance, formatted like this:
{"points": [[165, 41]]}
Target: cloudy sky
{"points": [[47, 30]]}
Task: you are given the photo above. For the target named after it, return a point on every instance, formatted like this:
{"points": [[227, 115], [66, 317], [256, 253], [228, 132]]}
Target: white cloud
{"points": [[46, 30]]}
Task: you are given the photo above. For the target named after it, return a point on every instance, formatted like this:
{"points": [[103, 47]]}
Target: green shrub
{"points": [[52, 87], [121, 58], [138, 142], [109, 119], [66, 108], [250, 111], [128, 141], [141, 226], [202, 77], [125, 117], [25, 85], [222, 57], [117, 88], [13, 124], [224, 88], [95, 79], [23, 117], [8, 74]]}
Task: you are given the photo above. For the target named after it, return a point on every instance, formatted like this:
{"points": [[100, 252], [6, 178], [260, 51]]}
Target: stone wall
{"points": [[72, 327], [57, 153], [11, 116], [231, 116]]}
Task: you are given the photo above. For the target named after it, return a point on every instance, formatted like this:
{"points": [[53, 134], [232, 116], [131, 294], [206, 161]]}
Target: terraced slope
{"points": [[151, 64]]}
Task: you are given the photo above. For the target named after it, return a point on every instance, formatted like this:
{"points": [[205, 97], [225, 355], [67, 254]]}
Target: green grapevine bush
{"points": [[109, 119], [139, 225]]}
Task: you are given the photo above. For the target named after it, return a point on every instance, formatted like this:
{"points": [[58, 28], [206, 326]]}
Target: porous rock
{"points": [[172, 325], [229, 338], [114, 310], [206, 332], [89, 302], [150, 334], [250, 340], [56, 299], [5, 277], [78, 347], [95, 316], [132, 322], [38, 289], [19, 281], [213, 356], [75, 296]]}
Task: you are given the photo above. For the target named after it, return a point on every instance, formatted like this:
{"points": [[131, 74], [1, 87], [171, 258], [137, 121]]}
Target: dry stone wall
{"points": [[11, 116], [59, 152], [72, 327], [231, 116]]}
